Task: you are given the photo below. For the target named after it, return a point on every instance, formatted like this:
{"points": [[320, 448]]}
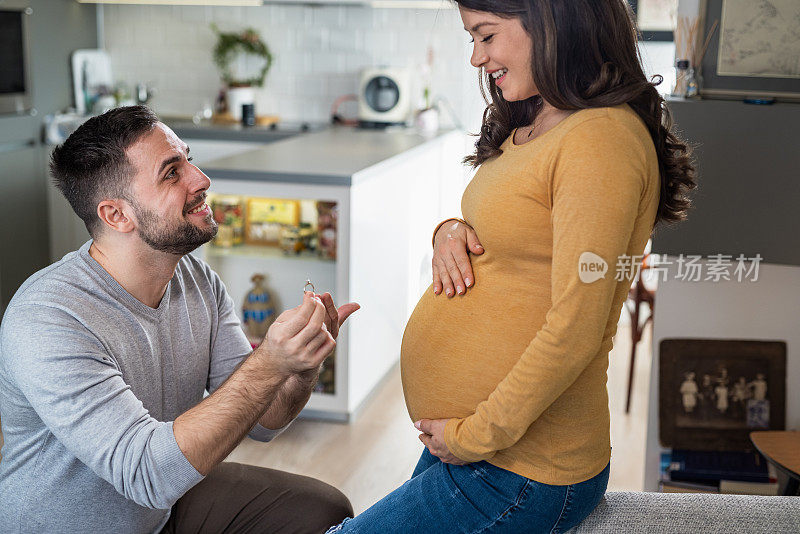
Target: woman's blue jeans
{"points": [[477, 497]]}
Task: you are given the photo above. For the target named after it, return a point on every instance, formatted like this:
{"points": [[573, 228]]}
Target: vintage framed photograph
{"points": [[755, 53], [714, 392]]}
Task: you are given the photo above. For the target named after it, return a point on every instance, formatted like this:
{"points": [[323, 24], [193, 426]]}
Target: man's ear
{"points": [[116, 214]]}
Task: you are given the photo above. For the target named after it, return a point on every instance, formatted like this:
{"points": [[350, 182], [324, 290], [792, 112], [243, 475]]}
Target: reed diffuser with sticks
{"points": [[689, 55]]}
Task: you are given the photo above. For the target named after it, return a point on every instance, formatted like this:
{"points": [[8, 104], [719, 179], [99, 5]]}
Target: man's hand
{"points": [[451, 263], [298, 341], [270, 386], [335, 317], [433, 438], [296, 390]]}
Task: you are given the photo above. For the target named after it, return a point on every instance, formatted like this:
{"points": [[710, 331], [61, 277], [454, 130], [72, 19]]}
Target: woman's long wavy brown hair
{"points": [[585, 55]]}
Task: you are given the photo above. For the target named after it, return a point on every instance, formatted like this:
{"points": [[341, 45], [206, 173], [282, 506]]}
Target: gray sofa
{"points": [[679, 513]]}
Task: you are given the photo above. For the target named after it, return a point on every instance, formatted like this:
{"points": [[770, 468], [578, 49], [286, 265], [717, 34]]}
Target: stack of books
{"points": [[744, 473]]}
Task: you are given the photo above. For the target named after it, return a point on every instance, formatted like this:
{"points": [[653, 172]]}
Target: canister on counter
{"points": [[248, 114]]}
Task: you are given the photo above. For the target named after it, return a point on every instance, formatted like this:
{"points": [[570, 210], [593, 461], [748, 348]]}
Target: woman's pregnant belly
{"points": [[455, 351]]}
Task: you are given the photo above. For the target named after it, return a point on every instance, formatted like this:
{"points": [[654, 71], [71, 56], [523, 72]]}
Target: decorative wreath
{"points": [[230, 45]]}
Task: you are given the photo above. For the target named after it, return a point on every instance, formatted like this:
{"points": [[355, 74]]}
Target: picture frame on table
{"points": [[714, 392], [755, 52]]}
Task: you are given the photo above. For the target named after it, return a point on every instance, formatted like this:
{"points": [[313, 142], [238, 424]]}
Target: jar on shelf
{"points": [[258, 311], [267, 217], [308, 236], [327, 377], [327, 221], [693, 83], [228, 211], [290, 240]]}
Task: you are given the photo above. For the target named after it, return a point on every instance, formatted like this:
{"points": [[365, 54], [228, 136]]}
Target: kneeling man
{"points": [[106, 354]]}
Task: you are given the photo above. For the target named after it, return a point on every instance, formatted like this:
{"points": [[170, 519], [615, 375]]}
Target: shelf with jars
{"points": [[272, 227], [270, 241]]}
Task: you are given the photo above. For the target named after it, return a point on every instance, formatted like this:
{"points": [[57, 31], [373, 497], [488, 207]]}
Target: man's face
{"points": [[168, 194]]}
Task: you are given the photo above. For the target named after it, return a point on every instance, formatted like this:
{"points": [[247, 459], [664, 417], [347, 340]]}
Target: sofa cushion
{"points": [[676, 513]]}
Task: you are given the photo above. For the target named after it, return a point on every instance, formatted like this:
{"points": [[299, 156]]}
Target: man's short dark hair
{"points": [[91, 165]]}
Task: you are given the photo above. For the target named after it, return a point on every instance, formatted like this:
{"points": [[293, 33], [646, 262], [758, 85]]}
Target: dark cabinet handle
{"points": [[16, 145]]}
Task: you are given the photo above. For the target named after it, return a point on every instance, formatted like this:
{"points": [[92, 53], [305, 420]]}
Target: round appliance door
{"points": [[381, 94]]}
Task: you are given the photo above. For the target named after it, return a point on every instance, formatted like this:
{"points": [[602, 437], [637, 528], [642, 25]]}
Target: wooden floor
{"points": [[372, 456]]}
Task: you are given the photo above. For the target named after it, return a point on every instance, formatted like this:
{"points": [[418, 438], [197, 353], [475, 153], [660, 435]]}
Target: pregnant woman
{"points": [[504, 372]]}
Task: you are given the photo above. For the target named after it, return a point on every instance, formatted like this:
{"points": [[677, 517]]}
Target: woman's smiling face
{"points": [[503, 48]]}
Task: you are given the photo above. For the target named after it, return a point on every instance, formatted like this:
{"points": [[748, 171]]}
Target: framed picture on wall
{"points": [[655, 19], [714, 392], [756, 51]]}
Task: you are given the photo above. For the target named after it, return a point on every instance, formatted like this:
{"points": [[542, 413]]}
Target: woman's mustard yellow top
{"points": [[520, 361]]}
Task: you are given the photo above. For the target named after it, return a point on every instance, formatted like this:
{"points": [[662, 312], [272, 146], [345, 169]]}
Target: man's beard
{"points": [[178, 239]]}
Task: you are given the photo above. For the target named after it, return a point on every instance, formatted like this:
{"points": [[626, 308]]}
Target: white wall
{"points": [[659, 58], [767, 309], [318, 52]]}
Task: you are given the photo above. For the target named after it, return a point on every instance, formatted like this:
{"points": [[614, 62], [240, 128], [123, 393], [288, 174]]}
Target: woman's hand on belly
{"points": [[433, 438], [452, 243]]}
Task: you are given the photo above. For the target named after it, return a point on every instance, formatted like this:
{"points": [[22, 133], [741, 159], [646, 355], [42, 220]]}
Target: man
{"points": [[105, 356]]}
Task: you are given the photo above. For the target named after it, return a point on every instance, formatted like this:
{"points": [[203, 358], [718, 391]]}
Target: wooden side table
{"points": [[781, 449]]}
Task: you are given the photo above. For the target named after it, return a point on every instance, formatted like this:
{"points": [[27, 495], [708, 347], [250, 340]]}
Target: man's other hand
{"points": [[299, 340], [335, 317]]}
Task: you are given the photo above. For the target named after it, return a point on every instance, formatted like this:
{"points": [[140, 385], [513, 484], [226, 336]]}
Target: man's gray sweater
{"points": [[90, 382]]}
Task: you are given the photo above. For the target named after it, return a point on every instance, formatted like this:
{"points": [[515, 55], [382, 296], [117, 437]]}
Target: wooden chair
{"points": [[637, 295]]}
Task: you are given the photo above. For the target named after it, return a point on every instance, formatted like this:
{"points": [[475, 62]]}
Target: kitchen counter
{"points": [[215, 131], [333, 156]]}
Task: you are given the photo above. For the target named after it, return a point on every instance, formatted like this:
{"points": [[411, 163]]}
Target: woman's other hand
{"points": [[433, 438], [452, 268]]}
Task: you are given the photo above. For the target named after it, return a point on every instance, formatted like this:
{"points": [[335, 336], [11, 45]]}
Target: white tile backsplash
{"points": [[319, 52]]}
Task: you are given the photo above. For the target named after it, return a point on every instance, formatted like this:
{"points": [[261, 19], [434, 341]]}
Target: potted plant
{"points": [[243, 60]]}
